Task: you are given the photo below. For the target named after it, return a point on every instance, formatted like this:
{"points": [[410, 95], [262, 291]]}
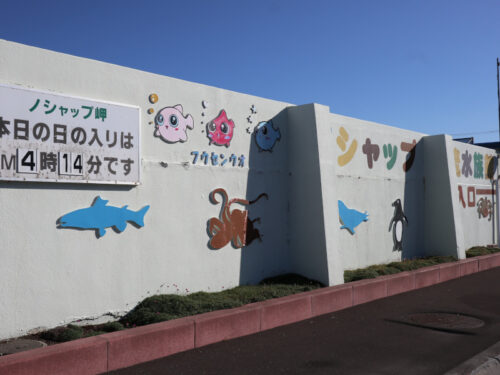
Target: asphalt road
{"points": [[374, 338]]}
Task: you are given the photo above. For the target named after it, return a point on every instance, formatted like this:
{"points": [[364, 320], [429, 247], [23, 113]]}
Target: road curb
{"points": [[126, 348], [485, 363]]}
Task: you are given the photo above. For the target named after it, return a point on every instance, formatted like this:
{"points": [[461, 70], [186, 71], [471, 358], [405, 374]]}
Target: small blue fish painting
{"points": [[266, 135], [100, 216], [350, 218]]}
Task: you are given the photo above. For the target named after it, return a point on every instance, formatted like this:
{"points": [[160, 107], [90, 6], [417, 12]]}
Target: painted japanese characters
{"points": [[348, 152], [348, 146], [100, 216], [266, 135], [171, 125], [220, 130], [50, 137], [396, 224], [474, 165], [471, 164], [350, 218], [232, 225]]}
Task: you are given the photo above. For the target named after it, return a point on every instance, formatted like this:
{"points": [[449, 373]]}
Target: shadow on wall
{"points": [[98, 188], [409, 235], [266, 250]]}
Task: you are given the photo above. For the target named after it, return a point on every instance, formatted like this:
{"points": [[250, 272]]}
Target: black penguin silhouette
{"points": [[397, 219]]}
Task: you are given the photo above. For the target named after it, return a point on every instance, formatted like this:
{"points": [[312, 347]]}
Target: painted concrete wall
{"points": [[440, 232], [369, 180], [308, 234], [472, 194], [53, 276]]}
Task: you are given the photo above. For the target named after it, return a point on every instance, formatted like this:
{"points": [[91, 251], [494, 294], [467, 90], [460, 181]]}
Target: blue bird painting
{"points": [[350, 218], [100, 216]]}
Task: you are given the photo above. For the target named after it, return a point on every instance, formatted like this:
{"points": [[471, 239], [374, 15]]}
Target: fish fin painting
{"points": [[350, 218], [220, 130], [121, 226], [396, 224], [171, 125], [232, 225], [266, 135], [100, 216]]}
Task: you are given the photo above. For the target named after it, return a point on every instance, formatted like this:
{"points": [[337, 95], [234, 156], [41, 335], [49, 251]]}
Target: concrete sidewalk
{"points": [[379, 337]]}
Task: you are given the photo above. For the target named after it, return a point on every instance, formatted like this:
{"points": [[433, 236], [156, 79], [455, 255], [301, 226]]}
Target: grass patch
{"points": [[171, 306], [395, 267], [74, 332], [481, 250], [62, 334], [164, 307]]}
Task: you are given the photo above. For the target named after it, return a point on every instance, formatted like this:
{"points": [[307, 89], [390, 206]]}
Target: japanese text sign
{"points": [[52, 137]]}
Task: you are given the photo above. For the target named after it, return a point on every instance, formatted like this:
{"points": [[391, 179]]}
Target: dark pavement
{"points": [[373, 338]]}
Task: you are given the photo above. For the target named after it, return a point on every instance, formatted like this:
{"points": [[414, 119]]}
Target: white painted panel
{"points": [[60, 138]]}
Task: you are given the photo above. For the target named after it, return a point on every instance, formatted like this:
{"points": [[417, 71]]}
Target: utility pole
{"points": [[498, 96], [497, 195]]}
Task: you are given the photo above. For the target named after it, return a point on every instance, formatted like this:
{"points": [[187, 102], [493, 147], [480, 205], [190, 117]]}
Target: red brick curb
{"points": [[116, 350]]}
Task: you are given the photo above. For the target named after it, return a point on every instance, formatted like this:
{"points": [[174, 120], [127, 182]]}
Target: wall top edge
{"points": [[348, 121], [9, 44], [337, 118]]}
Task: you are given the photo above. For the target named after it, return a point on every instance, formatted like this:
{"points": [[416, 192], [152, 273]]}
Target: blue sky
{"points": [[427, 65]]}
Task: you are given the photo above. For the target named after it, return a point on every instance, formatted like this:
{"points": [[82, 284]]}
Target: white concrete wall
{"points": [[440, 232], [374, 190], [54, 276], [473, 228], [308, 233]]}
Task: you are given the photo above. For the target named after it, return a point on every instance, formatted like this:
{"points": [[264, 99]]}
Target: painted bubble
{"points": [[153, 98]]}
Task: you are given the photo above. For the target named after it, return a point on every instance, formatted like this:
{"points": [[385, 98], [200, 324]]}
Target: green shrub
{"points": [[359, 274], [171, 306], [481, 250], [91, 333], [395, 267], [111, 327], [291, 279], [62, 334]]}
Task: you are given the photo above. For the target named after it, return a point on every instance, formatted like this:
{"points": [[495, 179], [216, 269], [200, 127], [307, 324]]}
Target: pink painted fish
{"points": [[220, 130], [171, 125]]}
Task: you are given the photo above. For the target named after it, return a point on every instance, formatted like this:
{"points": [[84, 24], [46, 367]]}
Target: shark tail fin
{"points": [[139, 216]]}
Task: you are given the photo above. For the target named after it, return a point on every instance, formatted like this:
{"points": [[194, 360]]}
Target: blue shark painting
{"points": [[100, 216], [350, 218]]}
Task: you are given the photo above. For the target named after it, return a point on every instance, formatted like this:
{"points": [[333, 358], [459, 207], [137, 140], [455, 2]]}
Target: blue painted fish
{"points": [[100, 216], [350, 218], [266, 135]]}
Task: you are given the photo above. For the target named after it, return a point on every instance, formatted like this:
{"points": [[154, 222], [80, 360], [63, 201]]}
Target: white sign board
{"points": [[51, 137]]}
